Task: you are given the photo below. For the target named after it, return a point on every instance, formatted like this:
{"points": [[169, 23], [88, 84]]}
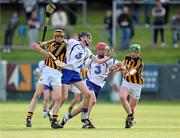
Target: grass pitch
{"points": [[154, 120]]}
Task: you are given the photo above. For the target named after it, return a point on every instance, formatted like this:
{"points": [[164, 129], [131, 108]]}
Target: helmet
{"points": [[58, 32], [101, 45], [84, 34], [101, 49], [87, 34], [135, 48]]}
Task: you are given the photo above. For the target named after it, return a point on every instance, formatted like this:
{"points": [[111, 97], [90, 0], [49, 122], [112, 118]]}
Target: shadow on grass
{"points": [[64, 129], [115, 129]]}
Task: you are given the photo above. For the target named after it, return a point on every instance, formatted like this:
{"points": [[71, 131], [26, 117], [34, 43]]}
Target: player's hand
{"points": [[59, 63], [130, 72], [127, 73], [35, 46], [42, 44], [120, 66]]}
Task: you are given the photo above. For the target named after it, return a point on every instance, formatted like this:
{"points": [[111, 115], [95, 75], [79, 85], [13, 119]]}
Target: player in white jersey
{"points": [[46, 92], [96, 77], [77, 52], [77, 97]]}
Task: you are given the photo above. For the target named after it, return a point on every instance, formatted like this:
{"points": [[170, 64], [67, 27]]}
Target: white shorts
{"points": [[50, 76], [74, 89], [134, 89]]}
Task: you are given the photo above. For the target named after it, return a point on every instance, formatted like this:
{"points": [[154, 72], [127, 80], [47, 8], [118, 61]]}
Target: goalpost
{"points": [[114, 24]]}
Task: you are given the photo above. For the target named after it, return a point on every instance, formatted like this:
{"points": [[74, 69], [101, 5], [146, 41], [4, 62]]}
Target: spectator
{"points": [[135, 11], [72, 14], [29, 6], [108, 25], [176, 29], [165, 4], [126, 32], [147, 12], [9, 33], [33, 25], [158, 12], [41, 11]]}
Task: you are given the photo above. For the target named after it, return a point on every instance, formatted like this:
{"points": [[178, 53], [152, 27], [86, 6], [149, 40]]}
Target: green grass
{"points": [[154, 120]]}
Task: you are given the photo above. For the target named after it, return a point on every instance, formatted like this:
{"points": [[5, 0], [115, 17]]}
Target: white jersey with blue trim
{"points": [[76, 55], [98, 73]]}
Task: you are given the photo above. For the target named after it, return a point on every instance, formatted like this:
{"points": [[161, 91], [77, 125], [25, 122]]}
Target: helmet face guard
{"points": [[82, 36], [58, 33]]}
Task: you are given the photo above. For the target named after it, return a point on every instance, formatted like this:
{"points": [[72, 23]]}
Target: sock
{"points": [[69, 116], [29, 115], [70, 108], [130, 115], [47, 110], [84, 114], [54, 118], [66, 118]]}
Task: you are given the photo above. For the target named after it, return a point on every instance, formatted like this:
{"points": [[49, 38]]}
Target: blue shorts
{"points": [[70, 76], [93, 87], [48, 87]]}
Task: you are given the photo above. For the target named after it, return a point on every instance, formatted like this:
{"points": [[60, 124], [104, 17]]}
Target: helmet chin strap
{"points": [[85, 42]]}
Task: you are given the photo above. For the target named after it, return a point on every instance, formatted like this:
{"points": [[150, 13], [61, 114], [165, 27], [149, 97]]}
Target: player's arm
{"points": [[40, 48], [99, 61], [139, 65], [120, 66], [112, 66]]}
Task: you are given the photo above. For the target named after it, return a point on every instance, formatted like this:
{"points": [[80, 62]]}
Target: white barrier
{"points": [[3, 92]]}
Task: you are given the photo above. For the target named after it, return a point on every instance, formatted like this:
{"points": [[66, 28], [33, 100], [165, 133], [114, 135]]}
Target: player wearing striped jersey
{"points": [[77, 52], [132, 83], [51, 75], [96, 77]]}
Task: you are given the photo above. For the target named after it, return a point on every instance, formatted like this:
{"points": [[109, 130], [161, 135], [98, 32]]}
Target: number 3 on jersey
{"points": [[97, 70], [78, 56]]}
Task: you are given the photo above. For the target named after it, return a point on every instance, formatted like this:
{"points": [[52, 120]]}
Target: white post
{"points": [[114, 24], [84, 8], [3, 92]]}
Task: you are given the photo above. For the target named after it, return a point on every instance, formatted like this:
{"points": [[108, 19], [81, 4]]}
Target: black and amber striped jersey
{"points": [[136, 63], [59, 51]]}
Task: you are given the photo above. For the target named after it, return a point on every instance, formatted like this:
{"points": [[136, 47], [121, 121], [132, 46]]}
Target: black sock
{"points": [[130, 115]]}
